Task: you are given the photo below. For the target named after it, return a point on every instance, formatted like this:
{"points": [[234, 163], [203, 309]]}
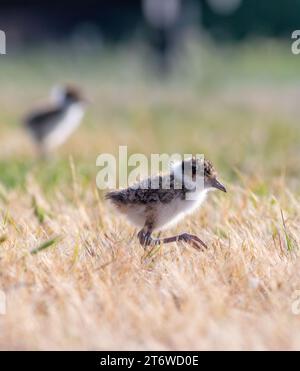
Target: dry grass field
{"points": [[72, 270]]}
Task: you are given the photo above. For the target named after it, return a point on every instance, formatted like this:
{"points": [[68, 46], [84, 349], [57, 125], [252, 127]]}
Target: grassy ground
{"points": [[72, 270]]}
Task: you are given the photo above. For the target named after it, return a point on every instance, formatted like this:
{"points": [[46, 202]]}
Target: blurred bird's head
{"points": [[68, 95]]}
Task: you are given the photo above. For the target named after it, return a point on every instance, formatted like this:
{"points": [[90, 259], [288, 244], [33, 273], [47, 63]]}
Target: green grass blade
{"points": [[45, 245]]}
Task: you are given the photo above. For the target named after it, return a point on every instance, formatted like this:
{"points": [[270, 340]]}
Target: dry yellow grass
{"points": [[97, 289]]}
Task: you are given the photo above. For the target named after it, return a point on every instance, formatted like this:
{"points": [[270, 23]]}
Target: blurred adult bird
{"points": [[50, 126]]}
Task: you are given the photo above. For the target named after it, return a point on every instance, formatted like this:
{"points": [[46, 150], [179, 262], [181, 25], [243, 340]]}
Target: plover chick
{"points": [[177, 194], [51, 126]]}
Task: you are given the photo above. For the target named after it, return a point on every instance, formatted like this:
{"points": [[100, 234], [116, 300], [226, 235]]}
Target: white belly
{"points": [[67, 126], [173, 212], [165, 215]]}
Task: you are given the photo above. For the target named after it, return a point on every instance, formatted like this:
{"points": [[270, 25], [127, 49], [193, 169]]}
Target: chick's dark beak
{"points": [[216, 184]]}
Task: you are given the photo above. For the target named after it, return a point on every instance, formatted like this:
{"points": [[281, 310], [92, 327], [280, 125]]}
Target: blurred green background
{"points": [[213, 77]]}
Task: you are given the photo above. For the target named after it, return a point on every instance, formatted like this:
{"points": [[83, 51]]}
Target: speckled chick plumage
{"points": [[158, 208]]}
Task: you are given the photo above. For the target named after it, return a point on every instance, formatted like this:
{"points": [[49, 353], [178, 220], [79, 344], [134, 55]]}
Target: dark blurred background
{"points": [[117, 20]]}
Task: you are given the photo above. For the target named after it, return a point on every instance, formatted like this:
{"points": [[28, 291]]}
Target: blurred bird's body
{"points": [[157, 208], [51, 126]]}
